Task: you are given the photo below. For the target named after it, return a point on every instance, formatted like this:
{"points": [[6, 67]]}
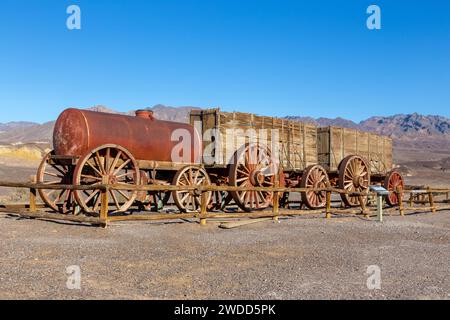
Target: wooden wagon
{"points": [[305, 156], [356, 159], [289, 149], [220, 148]]}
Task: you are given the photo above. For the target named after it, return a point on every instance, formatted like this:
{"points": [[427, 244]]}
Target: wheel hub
{"points": [[358, 181], [257, 178], [109, 179]]}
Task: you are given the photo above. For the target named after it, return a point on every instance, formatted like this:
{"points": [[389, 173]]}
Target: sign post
{"points": [[381, 193]]}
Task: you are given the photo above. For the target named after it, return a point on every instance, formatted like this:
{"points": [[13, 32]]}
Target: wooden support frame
{"points": [[431, 199], [33, 195], [203, 215]]}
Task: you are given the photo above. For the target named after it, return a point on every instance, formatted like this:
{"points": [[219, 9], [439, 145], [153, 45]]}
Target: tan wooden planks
{"points": [[297, 141], [334, 144]]}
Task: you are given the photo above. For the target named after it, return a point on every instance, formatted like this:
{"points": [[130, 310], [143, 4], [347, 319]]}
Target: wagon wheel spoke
{"points": [[122, 166], [114, 197], [116, 160]]}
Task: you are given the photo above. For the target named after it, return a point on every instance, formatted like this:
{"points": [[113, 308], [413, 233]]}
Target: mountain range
{"points": [[407, 130]]}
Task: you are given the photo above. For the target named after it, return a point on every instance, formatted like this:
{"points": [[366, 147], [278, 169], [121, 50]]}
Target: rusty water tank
{"points": [[79, 131]]}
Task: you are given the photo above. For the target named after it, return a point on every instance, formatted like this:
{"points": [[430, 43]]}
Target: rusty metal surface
{"points": [[79, 131]]}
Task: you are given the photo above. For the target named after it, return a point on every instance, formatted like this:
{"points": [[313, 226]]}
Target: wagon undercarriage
{"points": [[114, 165]]}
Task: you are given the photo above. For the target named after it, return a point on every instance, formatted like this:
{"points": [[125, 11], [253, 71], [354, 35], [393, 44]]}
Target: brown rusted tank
{"points": [[79, 131]]}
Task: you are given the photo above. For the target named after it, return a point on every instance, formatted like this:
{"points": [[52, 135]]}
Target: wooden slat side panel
{"points": [[350, 142], [310, 153], [388, 156], [323, 147], [297, 141], [362, 146], [337, 145]]}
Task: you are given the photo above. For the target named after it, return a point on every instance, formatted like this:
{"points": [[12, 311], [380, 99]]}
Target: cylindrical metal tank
{"points": [[79, 131]]}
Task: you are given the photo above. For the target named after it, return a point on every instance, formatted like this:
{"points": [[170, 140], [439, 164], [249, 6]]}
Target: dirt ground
{"points": [[305, 257]]}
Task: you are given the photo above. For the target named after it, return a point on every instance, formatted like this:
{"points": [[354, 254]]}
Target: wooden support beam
{"points": [[203, 208], [276, 201], [400, 201], [57, 217], [235, 224], [104, 209], [363, 206], [33, 195], [328, 205], [431, 199]]}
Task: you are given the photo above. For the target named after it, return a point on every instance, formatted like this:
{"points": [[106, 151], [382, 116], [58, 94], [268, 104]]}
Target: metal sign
{"points": [[379, 190]]}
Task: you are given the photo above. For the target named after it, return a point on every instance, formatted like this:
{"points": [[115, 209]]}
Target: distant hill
{"points": [[325, 122], [28, 133], [6, 127], [408, 131]]}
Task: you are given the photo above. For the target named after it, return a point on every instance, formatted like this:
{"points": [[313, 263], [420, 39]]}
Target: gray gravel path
{"points": [[298, 258]]}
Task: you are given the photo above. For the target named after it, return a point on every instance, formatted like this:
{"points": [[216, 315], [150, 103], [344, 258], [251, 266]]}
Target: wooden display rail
{"points": [[30, 210]]}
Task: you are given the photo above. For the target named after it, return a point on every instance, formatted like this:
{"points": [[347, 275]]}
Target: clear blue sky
{"points": [[307, 58]]}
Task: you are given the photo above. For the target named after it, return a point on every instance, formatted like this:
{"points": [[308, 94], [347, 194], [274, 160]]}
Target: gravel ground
{"points": [[298, 258]]}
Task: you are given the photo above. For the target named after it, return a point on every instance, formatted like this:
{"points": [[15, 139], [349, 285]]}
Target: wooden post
{"points": [[276, 201], [363, 206], [33, 195], [400, 201], [431, 199], [276, 205], [104, 207], [328, 209], [203, 208], [411, 200]]}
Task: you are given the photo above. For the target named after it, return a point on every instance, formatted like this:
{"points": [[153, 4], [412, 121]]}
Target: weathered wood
{"points": [[334, 144], [235, 224], [28, 185], [203, 207], [162, 165], [276, 200], [297, 141], [153, 217], [104, 207], [431, 199], [33, 194], [57, 217], [328, 205], [363, 205], [21, 206], [400, 201]]}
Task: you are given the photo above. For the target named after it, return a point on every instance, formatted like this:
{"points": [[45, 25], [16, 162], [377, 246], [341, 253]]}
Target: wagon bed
{"points": [[297, 141]]}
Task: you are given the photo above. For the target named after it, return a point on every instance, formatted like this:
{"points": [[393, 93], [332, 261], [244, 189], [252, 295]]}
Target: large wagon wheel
{"points": [[315, 177], [107, 164], [252, 166], [190, 176], [61, 200], [393, 181], [354, 176]]}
